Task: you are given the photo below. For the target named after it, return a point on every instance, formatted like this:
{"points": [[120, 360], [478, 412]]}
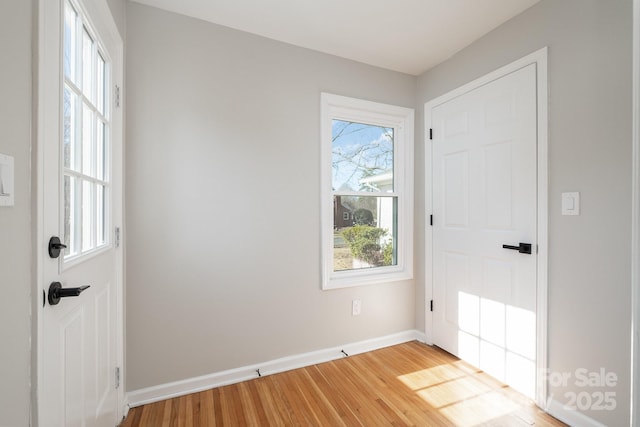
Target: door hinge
{"points": [[117, 237], [117, 96], [431, 305], [117, 377], [431, 220], [430, 133]]}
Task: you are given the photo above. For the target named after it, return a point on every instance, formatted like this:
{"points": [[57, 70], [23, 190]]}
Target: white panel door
{"points": [[484, 197], [80, 193]]}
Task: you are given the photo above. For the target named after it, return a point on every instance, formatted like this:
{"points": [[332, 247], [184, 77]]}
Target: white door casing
{"points": [[485, 189], [635, 224], [79, 340]]}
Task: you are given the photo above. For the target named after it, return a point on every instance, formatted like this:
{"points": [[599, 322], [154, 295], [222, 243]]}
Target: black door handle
{"points": [[56, 291], [524, 248]]}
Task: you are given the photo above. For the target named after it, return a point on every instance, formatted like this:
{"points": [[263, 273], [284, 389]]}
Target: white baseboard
{"points": [[193, 385], [570, 417]]}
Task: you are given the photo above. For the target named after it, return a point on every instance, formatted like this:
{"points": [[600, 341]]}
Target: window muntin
{"points": [[367, 201], [85, 138]]}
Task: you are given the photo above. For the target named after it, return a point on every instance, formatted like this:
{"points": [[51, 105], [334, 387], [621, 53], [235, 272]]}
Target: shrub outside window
{"points": [[367, 192]]}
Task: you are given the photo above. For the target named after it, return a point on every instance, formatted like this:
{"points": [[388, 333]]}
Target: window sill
{"points": [[353, 278]]}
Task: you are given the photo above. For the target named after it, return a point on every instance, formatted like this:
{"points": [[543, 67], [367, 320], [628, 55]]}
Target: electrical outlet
{"points": [[356, 307]]}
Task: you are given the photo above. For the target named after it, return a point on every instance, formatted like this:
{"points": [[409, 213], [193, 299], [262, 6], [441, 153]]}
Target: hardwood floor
{"points": [[410, 384]]}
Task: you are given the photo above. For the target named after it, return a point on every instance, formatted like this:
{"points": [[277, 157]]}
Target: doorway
{"points": [[486, 243]]}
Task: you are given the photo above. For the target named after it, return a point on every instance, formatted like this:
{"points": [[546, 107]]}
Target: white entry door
{"points": [[79, 200], [484, 227]]}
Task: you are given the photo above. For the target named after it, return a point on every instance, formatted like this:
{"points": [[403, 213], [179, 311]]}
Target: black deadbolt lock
{"points": [[55, 245]]}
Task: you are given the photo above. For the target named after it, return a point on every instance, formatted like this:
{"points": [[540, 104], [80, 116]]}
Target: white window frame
{"points": [[76, 87], [401, 119]]}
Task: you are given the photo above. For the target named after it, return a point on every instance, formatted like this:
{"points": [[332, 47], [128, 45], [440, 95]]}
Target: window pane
{"points": [[362, 157], [365, 230], [87, 215], [69, 44], [87, 63], [70, 225], [87, 140], [69, 129], [100, 151], [100, 89], [100, 215]]}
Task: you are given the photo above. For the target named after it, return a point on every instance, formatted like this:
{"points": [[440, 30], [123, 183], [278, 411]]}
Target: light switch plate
{"points": [[6, 180], [571, 203]]}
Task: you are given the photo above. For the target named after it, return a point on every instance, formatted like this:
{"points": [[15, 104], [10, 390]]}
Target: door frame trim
{"points": [[46, 110], [539, 58], [635, 223]]}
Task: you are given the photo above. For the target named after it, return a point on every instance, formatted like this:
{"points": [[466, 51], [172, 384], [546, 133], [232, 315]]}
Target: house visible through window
{"points": [[367, 155]]}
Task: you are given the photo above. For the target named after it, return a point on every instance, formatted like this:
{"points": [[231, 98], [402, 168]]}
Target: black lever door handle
{"points": [[524, 248], [56, 292]]}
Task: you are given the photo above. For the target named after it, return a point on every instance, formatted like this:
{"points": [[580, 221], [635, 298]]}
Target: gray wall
{"points": [[589, 151], [15, 222], [119, 12], [223, 224]]}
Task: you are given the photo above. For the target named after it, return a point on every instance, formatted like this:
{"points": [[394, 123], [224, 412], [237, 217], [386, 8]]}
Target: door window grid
{"points": [[85, 145]]}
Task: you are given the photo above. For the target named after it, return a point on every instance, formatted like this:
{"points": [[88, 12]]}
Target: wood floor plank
{"points": [[276, 407], [207, 413], [217, 406], [402, 402], [405, 385], [146, 413], [178, 412], [358, 395], [188, 420], [195, 404], [257, 414], [324, 403], [300, 412], [156, 413], [334, 397], [166, 410]]}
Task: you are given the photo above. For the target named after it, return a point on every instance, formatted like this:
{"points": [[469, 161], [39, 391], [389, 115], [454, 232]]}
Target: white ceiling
{"points": [[409, 36]]}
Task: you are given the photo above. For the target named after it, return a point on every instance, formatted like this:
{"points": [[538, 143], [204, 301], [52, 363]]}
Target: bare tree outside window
{"points": [[360, 151]]}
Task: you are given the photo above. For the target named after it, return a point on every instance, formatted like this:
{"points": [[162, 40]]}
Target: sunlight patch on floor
{"points": [[431, 376], [468, 396], [480, 409], [454, 391]]}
